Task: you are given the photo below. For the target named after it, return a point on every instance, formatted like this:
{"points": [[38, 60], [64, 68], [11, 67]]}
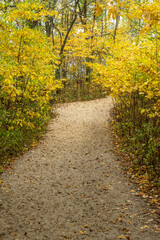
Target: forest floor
{"points": [[72, 185]]}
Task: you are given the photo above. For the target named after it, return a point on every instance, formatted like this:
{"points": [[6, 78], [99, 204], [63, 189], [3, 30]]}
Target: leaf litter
{"points": [[54, 197]]}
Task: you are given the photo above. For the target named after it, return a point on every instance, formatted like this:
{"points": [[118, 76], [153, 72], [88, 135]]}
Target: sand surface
{"points": [[72, 186]]}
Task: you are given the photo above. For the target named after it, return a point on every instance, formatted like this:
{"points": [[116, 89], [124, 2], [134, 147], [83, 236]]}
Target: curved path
{"points": [[71, 186]]}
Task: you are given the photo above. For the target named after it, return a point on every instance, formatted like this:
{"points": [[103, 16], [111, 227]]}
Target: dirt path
{"points": [[71, 185]]}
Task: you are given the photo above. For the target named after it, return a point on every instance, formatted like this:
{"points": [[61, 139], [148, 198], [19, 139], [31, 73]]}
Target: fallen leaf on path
{"points": [[104, 188], [145, 196], [132, 191], [125, 230], [85, 226], [150, 220], [157, 229], [108, 229], [81, 232], [154, 211], [155, 201], [14, 234], [145, 227], [122, 237], [112, 221]]}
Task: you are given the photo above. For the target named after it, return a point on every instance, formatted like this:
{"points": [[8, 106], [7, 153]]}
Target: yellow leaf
{"points": [[109, 14], [148, 29], [112, 11], [147, 15], [145, 227], [85, 226], [142, 31], [120, 219], [98, 9], [122, 237]]}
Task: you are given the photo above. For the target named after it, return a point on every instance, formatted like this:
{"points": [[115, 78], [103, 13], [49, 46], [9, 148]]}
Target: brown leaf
{"points": [[122, 237], [81, 232], [125, 230], [108, 229], [157, 229]]}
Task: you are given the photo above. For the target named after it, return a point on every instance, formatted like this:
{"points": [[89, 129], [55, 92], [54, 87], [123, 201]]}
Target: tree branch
{"points": [[69, 29]]}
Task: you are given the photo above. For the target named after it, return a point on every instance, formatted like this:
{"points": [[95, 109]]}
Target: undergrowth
{"points": [[139, 137]]}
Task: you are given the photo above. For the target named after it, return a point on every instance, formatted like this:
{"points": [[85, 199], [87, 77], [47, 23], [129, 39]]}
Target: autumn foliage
{"points": [[132, 73], [87, 48], [27, 76]]}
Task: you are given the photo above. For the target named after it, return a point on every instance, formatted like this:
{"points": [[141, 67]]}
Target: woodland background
{"points": [[67, 50]]}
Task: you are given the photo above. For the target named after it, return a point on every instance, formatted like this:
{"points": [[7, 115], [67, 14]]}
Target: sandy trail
{"points": [[71, 186]]}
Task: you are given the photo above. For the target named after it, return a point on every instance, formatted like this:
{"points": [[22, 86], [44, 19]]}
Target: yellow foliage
{"points": [[98, 9], [27, 67], [131, 68]]}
